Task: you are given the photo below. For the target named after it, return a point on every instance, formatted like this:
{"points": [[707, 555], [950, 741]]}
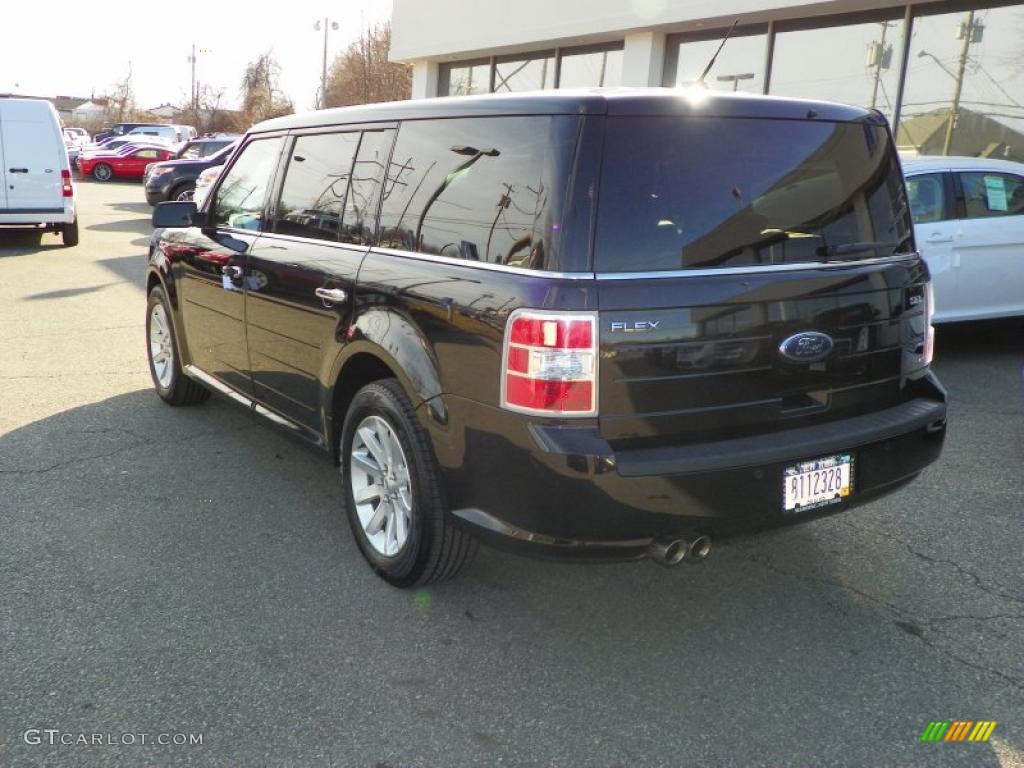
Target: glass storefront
{"points": [[854, 64], [958, 89], [592, 66], [739, 67], [964, 91]]}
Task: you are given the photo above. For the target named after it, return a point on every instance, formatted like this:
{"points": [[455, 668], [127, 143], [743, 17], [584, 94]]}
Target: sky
{"points": [[75, 48]]}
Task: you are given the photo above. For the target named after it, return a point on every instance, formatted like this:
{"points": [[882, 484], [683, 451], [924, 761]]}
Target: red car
{"points": [[128, 165]]}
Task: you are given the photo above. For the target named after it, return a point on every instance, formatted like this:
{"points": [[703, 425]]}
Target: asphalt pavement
{"points": [[169, 573]]}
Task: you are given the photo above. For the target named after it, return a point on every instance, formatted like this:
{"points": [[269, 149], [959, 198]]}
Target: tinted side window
{"points": [[243, 190], [992, 194], [315, 183], [927, 195], [487, 189], [364, 189]]}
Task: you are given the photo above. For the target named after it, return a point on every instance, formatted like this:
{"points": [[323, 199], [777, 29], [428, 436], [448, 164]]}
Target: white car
{"points": [[969, 225], [36, 189]]}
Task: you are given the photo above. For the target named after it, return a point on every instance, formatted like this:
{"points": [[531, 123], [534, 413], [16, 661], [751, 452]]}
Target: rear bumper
{"points": [[561, 491], [28, 218]]}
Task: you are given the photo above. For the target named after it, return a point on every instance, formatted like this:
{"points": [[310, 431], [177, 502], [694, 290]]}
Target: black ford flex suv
{"points": [[597, 324]]}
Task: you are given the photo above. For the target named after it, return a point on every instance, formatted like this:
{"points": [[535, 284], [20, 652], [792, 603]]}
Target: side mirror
{"points": [[175, 215]]}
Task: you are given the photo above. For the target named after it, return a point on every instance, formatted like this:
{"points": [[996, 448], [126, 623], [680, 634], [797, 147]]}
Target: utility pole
{"points": [[195, 92], [880, 61], [968, 35]]}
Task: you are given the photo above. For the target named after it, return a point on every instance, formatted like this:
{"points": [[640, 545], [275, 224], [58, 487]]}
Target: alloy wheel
{"points": [[381, 486], [161, 346]]}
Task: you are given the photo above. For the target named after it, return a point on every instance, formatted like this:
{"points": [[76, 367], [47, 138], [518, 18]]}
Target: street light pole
{"points": [[328, 24], [735, 79]]}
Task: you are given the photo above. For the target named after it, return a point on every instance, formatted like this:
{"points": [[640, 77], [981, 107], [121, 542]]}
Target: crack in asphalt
{"points": [[978, 581], [914, 626]]}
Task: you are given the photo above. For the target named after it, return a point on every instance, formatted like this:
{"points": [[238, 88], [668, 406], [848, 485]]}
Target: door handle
{"points": [[332, 295], [18, 170], [939, 238], [229, 270]]}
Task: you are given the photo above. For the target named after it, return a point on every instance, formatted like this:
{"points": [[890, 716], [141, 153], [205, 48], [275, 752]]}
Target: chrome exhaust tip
{"points": [[668, 550], [699, 548]]}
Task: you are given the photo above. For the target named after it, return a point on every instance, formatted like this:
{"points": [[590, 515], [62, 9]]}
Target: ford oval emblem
{"points": [[807, 347]]}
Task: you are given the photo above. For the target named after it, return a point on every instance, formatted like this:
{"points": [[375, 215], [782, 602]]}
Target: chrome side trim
{"points": [[753, 270], [675, 273], [216, 384], [484, 265]]}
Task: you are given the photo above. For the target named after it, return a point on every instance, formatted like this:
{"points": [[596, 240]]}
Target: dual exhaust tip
{"points": [[672, 550]]}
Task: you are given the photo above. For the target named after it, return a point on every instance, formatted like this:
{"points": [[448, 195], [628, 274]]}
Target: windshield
{"points": [[727, 192]]}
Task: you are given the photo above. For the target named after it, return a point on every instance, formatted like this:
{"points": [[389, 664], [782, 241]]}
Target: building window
{"points": [[465, 78], [533, 73], [588, 68], [585, 67], [853, 64], [739, 67], [964, 92]]}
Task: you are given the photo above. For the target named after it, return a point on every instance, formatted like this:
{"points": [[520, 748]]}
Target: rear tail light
{"points": [[929, 330], [550, 363], [65, 184]]}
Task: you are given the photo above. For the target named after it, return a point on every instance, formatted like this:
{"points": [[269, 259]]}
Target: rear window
{"points": [[686, 193]]}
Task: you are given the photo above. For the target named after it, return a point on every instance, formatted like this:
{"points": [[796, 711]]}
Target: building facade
{"points": [[948, 75]]}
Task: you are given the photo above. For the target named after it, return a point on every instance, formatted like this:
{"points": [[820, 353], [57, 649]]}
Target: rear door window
{"points": [[680, 193], [359, 222], [991, 194], [315, 184], [242, 193], [481, 189]]}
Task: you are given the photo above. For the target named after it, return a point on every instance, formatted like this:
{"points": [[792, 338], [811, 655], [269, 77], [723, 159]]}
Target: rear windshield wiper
{"points": [[849, 249]]}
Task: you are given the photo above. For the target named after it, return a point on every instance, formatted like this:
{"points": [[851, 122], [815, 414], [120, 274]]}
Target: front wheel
{"points": [[393, 494], [184, 193], [164, 360], [103, 172]]}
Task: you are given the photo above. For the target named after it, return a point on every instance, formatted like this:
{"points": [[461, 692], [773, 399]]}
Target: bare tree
{"points": [[262, 98], [362, 74], [121, 102]]}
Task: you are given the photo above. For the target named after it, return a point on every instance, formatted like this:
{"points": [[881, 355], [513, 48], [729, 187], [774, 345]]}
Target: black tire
{"points": [[435, 549], [180, 390], [182, 192], [102, 172], [69, 233]]}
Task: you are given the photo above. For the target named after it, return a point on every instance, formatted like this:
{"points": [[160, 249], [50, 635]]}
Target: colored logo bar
{"points": [[958, 730]]}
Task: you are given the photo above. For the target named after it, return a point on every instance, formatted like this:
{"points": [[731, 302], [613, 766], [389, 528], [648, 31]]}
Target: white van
{"points": [[36, 185], [172, 134]]}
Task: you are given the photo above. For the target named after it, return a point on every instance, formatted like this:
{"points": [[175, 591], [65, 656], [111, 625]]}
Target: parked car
{"points": [[197, 149], [116, 147], [969, 223], [119, 129], [74, 140], [591, 325], [35, 174], [172, 134], [126, 164], [205, 182], [175, 179]]}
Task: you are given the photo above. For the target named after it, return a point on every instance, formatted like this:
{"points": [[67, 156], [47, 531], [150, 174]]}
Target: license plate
{"points": [[819, 483]]}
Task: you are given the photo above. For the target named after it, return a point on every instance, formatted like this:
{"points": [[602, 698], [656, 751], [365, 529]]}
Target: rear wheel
{"points": [[164, 360], [69, 233], [103, 172], [393, 494]]}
